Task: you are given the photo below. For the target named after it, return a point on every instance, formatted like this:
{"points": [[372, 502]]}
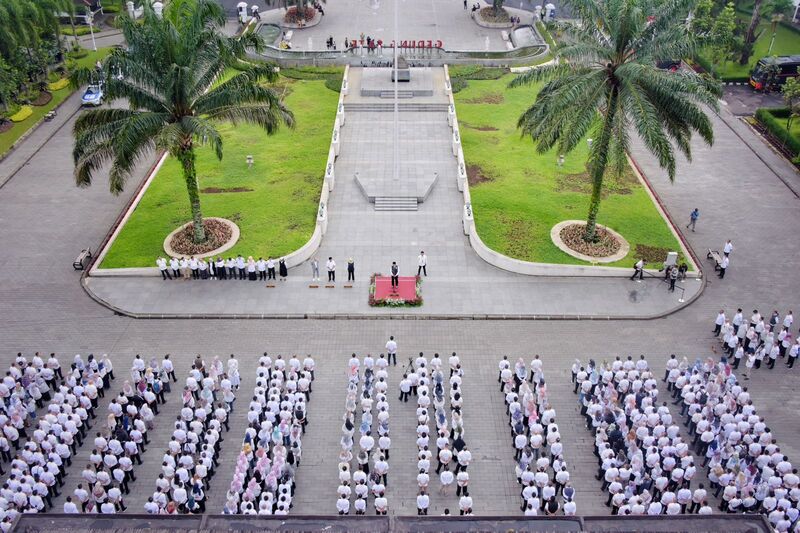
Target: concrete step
{"points": [[388, 107], [395, 203], [400, 94]]}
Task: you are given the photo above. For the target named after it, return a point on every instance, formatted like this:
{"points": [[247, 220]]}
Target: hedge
{"points": [[23, 113], [769, 118], [58, 85]]}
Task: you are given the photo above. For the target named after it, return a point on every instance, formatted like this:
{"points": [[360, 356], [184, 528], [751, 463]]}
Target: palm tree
{"points": [[605, 83], [168, 70]]}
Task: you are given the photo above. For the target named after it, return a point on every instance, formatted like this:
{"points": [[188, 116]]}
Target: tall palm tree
{"points": [[167, 79], [605, 83]]}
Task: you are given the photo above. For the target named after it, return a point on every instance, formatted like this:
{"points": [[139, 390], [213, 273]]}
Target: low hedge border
{"points": [[769, 118]]}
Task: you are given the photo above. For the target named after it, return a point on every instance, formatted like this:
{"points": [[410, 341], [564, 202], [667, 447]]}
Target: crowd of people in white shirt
{"points": [[191, 456], [263, 479], [536, 440], [119, 445], [38, 468], [745, 464], [645, 465], [761, 341], [221, 269], [365, 479], [426, 380]]}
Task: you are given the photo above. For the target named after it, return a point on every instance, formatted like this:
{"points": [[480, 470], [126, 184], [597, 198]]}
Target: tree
{"points": [[791, 96], [167, 69], [703, 18], [760, 8], [723, 36], [605, 83]]}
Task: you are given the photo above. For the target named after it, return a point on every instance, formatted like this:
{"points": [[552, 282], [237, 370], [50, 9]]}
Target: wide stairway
{"points": [[395, 203]]}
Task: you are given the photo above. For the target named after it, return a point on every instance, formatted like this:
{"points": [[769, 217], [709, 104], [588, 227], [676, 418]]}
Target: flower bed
{"points": [[23, 113], [295, 16], [394, 302], [217, 235], [605, 243]]}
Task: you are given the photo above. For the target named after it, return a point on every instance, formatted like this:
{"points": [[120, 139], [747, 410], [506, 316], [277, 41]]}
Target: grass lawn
{"points": [[8, 138], [518, 195], [787, 42], [276, 205]]}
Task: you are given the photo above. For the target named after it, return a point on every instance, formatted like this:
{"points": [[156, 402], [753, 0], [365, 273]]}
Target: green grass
{"points": [[526, 193], [787, 42], [8, 138], [276, 217]]}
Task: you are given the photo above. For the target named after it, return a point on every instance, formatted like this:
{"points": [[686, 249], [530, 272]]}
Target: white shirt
{"points": [[162, 263], [422, 260], [728, 247], [391, 347], [330, 265]]}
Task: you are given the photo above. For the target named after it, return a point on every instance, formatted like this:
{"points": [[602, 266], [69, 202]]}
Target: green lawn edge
{"points": [[527, 193]]}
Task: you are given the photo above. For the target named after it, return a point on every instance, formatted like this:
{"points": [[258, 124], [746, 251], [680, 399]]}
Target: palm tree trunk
{"points": [[598, 160], [186, 157]]}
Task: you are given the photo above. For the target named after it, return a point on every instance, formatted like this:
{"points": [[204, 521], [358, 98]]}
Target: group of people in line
{"points": [[118, 445], [643, 462], [762, 340], [540, 469], [191, 457], [264, 475], [374, 446], [746, 466], [39, 465], [223, 269]]}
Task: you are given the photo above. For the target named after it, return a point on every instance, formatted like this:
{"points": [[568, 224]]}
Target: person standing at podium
{"points": [[395, 270]]}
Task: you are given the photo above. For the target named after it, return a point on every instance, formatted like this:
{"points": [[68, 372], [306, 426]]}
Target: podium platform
{"points": [[406, 289]]}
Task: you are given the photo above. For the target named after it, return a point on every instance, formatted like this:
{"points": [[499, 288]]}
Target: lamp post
{"points": [[90, 20]]}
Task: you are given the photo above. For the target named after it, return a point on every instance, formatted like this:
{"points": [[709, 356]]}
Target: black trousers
{"points": [[351, 275], [271, 273], [395, 281], [176, 272], [222, 273], [637, 272], [722, 272], [241, 273], [165, 274], [422, 269], [331, 275], [195, 274], [262, 275]]}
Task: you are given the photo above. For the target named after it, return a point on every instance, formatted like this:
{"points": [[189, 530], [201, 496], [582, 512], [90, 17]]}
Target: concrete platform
{"points": [[378, 82]]}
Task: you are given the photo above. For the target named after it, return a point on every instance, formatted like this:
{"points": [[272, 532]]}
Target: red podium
{"points": [[406, 289]]}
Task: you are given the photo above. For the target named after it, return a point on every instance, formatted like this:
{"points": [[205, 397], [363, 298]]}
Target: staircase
{"points": [[388, 107], [400, 94], [395, 203]]}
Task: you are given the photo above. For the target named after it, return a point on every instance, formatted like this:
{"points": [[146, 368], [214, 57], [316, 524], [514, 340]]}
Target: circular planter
{"points": [[224, 248], [555, 236], [479, 20], [308, 24]]}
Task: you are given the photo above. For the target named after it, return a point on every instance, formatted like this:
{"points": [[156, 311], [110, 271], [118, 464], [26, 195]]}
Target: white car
{"points": [[93, 95]]}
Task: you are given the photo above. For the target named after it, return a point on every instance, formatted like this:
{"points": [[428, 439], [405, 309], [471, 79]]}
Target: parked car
{"points": [[93, 95], [784, 67]]}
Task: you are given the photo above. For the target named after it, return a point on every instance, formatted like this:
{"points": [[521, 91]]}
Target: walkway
{"points": [[460, 283]]}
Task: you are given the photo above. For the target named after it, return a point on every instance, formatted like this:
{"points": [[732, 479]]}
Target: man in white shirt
{"points": [[162, 267], [638, 270], [261, 266], [240, 266], [728, 248], [723, 266], [330, 266], [720, 320], [391, 351], [422, 261], [175, 265], [788, 319]]}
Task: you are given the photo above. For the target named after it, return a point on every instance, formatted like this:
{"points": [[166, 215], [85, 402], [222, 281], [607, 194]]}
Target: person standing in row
{"points": [[330, 266], [720, 320], [391, 351], [251, 268], [282, 270], [395, 271], [193, 266], [185, 270], [351, 270], [175, 265], [222, 272], [422, 261], [240, 264], [162, 267], [230, 266], [261, 266], [314, 269], [270, 268]]}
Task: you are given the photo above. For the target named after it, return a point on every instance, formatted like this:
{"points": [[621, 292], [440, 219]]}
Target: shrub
{"points": [[78, 54], [334, 84], [769, 118], [23, 113], [458, 84], [79, 30], [58, 85]]}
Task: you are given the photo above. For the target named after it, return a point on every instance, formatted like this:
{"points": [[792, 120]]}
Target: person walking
{"points": [[330, 266], [693, 216], [422, 261], [351, 270], [391, 351], [282, 270], [395, 271], [723, 266], [162, 267], [638, 270]]}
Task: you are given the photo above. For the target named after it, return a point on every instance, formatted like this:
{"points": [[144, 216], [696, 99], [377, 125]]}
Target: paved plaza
{"points": [[744, 192]]}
